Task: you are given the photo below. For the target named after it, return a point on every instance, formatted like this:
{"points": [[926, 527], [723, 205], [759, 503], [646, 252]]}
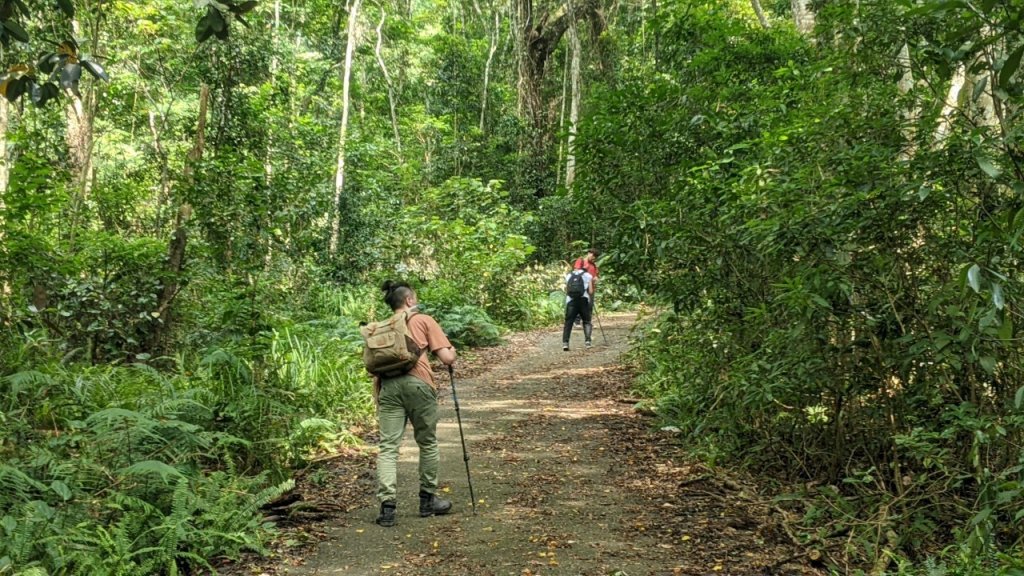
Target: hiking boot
{"points": [[587, 344], [431, 505], [387, 514], [565, 346]]}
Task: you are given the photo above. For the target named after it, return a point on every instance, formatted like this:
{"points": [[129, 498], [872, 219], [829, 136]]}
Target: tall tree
{"points": [[339, 177], [5, 286], [803, 16], [392, 98], [493, 37], [538, 38], [575, 48], [756, 4]]}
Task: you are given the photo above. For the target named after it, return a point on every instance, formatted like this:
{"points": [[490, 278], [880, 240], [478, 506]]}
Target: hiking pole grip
{"points": [[462, 437]]}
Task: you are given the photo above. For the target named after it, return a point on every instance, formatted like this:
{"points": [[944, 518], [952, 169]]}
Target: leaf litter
{"points": [[570, 479]]}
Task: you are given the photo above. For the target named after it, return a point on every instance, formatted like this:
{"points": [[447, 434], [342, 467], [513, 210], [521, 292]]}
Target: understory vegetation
{"points": [[819, 203], [837, 258]]}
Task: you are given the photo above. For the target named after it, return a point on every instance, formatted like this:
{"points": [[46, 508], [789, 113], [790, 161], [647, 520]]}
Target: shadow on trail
{"points": [[568, 480]]}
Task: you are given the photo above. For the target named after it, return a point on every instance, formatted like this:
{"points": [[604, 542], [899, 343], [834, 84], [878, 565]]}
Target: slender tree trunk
{"points": [[179, 238], [985, 114], [905, 85], [339, 178], [945, 123], [760, 14], [4, 166], [392, 104], [79, 136], [561, 117], [574, 106], [524, 23], [165, 178], [487, 66], [5, 286], [803, 16], [275, 34], [79, 142]]}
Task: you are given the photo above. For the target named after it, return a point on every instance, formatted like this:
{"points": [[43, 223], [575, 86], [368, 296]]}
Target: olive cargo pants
{"points": [[401, 398]]}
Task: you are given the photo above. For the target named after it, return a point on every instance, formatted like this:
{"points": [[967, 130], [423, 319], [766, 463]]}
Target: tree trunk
{"points": [[538, 40], [760, 14], [179, 238], [803, 16], [392, 104], [78, 137], [487, 66], [574, 106], [4, 167], [905, 85], [945, 123], [5, 286], [80, 113], [985, 112], [339, 178], [561, 117], [165, 178]]}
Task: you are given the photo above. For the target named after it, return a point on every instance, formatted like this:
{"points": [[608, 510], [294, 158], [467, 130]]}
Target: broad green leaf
{"points": [[96, 70], [70, 74], [988, 363], [1018, 398], [1006, 328], [974, 277], [14, 88], [981, 517], [979, 88], [1010, 66], [16, 30], [41, 94], [24, 9], [997, 296], [215, 19], [203, 30], [67, 7], [988, 167], [61, 489]]}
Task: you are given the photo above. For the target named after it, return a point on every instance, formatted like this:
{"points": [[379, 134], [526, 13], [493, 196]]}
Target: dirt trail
{"points": [[569, 480]]}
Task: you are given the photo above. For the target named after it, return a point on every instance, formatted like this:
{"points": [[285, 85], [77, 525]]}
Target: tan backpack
{"points": [[389, 349]]}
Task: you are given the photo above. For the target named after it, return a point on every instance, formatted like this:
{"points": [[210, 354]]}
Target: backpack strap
{"points": [[408, 315]]}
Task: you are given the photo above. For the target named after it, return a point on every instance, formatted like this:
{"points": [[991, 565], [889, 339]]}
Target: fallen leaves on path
{"points": [[584, 479]]}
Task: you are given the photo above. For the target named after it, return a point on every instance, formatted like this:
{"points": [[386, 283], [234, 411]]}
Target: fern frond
{"points": [[23, 485], [27, 380], [163, 470]]}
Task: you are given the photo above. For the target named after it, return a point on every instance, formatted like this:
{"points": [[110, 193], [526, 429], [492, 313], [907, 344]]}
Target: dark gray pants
{"points": [[577, 307]]}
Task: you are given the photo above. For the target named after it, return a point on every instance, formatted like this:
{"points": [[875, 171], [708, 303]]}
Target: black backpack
{"points": [[574, 286]]}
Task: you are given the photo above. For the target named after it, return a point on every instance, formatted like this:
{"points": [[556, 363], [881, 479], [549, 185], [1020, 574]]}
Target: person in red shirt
{"points": [[589, 263]]}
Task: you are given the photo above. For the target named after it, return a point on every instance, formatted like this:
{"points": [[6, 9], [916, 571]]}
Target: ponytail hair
{"points": [[395, 293]]}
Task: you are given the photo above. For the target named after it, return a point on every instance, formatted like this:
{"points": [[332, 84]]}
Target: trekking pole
{"points": [[465, 455], [594, 310]]}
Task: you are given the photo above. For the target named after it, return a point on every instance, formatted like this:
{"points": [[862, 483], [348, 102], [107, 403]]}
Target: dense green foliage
{"points": [[836, 277], [177, 335], [826, 224]]}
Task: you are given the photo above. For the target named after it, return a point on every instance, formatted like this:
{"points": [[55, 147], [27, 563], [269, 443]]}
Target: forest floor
{"points": [[569, 479]]}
